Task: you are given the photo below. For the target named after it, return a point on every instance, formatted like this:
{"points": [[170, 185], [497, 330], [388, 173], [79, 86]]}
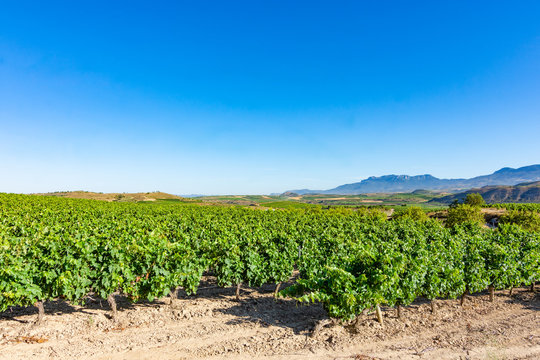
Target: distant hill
{"points": [[289, 194], [407, 183], [521, 193], [123, 197]]}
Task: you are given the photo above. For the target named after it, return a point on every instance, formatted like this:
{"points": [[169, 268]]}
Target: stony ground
{"points": [[212, 324]]}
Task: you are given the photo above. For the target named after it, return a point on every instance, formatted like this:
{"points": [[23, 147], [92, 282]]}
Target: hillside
{"points": [[521, 193], [407, 183], [130, 197]]}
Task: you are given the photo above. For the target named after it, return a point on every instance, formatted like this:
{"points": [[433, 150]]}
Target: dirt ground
{"points": [[212, 324]]}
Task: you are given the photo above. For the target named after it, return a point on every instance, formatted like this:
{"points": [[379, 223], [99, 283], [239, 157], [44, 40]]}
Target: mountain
{"points": [[407, 183], [521, 193]]}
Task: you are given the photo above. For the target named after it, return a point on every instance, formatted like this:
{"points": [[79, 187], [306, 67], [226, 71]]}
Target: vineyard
{"points": [[516, 206], [350, 261]]}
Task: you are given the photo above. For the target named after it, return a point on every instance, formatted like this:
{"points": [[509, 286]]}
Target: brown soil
{"points": [[212, 325]]}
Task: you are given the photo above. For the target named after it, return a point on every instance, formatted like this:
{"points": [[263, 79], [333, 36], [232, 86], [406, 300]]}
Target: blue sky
{"points": [[263, 96]]}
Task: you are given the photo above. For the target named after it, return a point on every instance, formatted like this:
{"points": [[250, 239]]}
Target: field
{"points": [[87, 278], [290, 201], [119, 197]]}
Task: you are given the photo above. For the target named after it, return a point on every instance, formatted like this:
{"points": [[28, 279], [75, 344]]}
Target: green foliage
{"points": [[503, 259], [516, 206], [410, 212], [476, 276], [528, 220], [464, 214], [288, 205], [445, 275], [474, 199], [375, 214], [392, 263], [528, 244], [338, 290], [348, 260]]}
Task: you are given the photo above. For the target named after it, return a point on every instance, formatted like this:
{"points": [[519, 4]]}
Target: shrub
{"points": [[464, 214], [528, 220]]}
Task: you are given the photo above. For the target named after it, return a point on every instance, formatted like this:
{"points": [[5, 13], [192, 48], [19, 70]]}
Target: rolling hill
{"points": [[123, 197], [521, 193]]}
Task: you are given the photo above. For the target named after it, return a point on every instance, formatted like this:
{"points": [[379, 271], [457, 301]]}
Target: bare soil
{"points": [[212, 324]]}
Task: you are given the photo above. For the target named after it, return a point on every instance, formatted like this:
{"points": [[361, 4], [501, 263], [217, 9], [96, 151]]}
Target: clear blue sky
{"points": [[254, 97]]}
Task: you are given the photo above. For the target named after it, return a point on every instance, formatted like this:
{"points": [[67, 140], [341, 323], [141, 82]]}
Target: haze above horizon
{"points": [[257, 97]]}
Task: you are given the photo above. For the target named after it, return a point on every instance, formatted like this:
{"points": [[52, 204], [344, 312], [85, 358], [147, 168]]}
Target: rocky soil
{"points": [[212, 324]]}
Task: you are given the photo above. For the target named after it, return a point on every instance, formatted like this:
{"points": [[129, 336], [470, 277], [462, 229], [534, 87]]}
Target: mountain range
{"points": [[407, 183]]}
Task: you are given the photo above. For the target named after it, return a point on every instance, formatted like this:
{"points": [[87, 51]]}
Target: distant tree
{"points": [[464, 213], [474, 199]]}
